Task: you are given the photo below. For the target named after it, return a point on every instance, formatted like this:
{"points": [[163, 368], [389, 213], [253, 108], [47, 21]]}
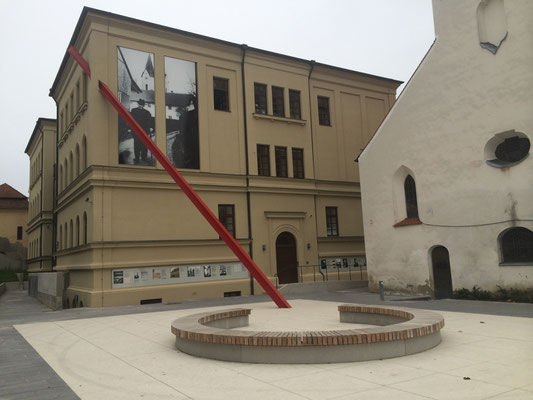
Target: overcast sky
{"points": [[380, 37]]}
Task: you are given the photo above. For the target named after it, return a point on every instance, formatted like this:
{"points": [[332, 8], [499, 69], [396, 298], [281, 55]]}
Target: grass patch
{"points": [[511, 295], [7, 275]]}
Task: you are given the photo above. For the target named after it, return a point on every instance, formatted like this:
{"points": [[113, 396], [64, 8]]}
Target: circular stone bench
{"points": [[399, 332]]}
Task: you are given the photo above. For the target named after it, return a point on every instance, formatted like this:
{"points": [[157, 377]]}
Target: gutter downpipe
{"points": [[311, 68], [41, 205], [244, 47], [56, 179]]}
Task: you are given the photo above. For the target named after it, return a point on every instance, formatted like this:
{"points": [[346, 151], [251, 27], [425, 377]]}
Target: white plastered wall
{"points": [[459, 98]]}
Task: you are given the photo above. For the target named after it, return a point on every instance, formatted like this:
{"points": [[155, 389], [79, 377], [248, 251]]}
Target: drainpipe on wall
{"points": [[41, 205], [244, 47], [311, 67], [54, 201]]}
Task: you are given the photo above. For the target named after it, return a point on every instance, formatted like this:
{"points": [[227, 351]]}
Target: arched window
{"points": [[60, 246], [516, 245], [77, 156], [411, 203], [84, 228], [491, 24], [66, 174], [77, 230], [71, 171], [84, 153], [60, 183], [71, 235]]}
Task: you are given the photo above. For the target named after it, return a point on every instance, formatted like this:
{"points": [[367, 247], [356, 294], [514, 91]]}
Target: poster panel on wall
{"points": [[164, 275], [181, 118], [340, 263], [136, 85]]}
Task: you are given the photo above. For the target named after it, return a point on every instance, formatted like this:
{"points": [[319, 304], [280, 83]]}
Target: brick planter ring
{"points": [[399, 332]]}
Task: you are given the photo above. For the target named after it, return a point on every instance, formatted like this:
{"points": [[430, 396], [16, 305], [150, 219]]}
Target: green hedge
{"points": [[501, 294], [7, 275]]}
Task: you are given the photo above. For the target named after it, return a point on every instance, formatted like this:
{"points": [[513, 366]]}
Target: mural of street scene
{"points": [[136, 92], [181, 107]]}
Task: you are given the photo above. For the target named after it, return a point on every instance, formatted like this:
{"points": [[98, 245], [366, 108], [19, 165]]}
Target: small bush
{"points": [[7, 275], [501, 294]]}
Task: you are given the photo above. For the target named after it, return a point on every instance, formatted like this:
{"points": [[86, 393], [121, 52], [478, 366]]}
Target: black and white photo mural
{"points": [[136, 92], [181, 108]]}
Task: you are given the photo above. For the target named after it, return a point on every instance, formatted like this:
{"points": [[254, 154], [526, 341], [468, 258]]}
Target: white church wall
{"points": [[460, 97]]}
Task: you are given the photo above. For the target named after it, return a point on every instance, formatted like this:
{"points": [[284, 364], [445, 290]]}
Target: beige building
{"points": [[265, 139], [447, 179], [13, 237], [41, 150]]}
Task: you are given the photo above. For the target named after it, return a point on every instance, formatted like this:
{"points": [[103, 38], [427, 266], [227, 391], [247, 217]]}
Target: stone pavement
{"points": [[128, 352]]}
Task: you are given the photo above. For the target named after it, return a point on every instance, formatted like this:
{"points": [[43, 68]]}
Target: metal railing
{"points": [[322, 274]]}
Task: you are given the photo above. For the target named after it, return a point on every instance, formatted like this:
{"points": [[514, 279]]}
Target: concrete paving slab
{"points": [[79, 356], [97, 363]]}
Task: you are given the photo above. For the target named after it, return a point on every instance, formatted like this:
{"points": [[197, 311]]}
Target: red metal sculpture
{"points": [[265, 283]]}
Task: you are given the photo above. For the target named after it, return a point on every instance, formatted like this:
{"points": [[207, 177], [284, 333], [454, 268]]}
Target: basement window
{"points": [[516, 246]]}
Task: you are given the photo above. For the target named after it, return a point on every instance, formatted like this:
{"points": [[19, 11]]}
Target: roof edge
{"points": [[21, 197], [34, 132], [396, 102], [86, 10]]}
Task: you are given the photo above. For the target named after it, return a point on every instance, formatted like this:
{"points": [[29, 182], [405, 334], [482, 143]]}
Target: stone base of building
{"points": [[94, 297], [49, 288]]}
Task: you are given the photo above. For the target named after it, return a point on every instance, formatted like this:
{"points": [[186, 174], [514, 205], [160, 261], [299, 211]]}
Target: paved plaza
{"points": [[129, 353]]}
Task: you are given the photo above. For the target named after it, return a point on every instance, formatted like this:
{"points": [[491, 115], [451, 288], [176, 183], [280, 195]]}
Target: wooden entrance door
{"points": [[442, 276], [286, 260]]}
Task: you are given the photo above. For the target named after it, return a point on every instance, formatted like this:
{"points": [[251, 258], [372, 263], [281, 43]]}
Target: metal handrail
{"points": [[325, 277]]}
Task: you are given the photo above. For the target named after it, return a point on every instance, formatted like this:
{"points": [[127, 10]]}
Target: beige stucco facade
{"points": [[466, 97], [13, 220], [41, 150], [116, 220]]}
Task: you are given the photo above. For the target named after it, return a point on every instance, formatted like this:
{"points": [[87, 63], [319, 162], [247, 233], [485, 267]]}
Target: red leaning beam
{"points": [[79, 59], [196, 200]]}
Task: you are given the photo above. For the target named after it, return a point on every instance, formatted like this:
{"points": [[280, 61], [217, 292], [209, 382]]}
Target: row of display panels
{"points": [[150, 276], [340, 263]]}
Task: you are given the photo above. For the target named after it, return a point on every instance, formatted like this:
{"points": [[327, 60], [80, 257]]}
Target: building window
{"points": [[491, 24], [517, 245], [411, 203], [294, 104], [77, 231], [221, 94], [512, 149], [77, 158], [332, 225], [298, 163], [65, 241], [281, 162], [84, 152], [72, 107], [84, 228], [78, 95], [323, 111], [278, 104], [71, 237], [260, 94], [263, 160], [226, 215], [19, 232]]}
